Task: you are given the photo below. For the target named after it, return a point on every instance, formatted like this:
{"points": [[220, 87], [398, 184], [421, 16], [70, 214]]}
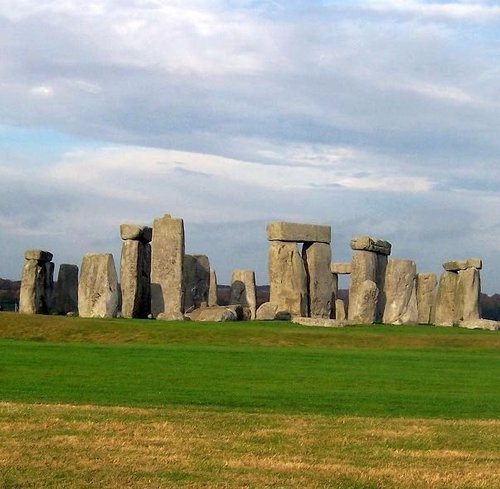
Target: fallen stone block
{"points": [[480, 324], [216, 313], [320, 322], [266, 312]]}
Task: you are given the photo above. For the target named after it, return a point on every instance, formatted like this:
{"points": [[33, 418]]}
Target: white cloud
{"points": [[462, 11]]}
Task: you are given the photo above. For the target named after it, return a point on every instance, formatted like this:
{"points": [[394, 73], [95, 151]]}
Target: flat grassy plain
{"points": [[121, 403]]}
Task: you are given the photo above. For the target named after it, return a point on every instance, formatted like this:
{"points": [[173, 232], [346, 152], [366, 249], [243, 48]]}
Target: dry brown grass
{"points": [[86, 446]]}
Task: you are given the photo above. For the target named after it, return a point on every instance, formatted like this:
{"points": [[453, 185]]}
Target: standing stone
{"points": [[400, 293], [317, 258], [467, 307], [426, 296], [37, 283], [340, 314], [243, 290], [212, 290], [287, 279], [135, 272], [365, 305], [382, 296], [67, 289], [444, 311], [167, 263], [98, 294], [196, 281], [364, 267]]}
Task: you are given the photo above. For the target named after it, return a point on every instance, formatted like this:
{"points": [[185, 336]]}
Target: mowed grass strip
{"points": [[60, 329], [87, 446], [445, 383]]}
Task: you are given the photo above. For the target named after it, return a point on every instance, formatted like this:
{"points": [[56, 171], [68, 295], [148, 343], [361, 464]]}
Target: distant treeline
{"points": [[9, 297]]}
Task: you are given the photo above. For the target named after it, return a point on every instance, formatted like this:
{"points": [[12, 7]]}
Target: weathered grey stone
{"points": [[287, 278], [212, 290], [37, 287], [340, 314], [400, 292], [167, 263], [474, 263], [243, 290], [135, 271], [341, 268], [98, 294], [455, 265], [335, 290], [366, 303], [380, 281], [136, 232], [426, 296], [364, 267], [196, 275], [67, 289], [320, 322], [367, 243], [266, 311], [444, 310], [299, 233], [467, 295], [480, 324], [317, 258], [216, 313], [39, 255]]}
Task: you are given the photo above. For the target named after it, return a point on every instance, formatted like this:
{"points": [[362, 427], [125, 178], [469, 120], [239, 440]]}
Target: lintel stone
{"points": [[367, 243], [341, 268], [39, 255], [136, 232], [300, 233], [457, 265]]}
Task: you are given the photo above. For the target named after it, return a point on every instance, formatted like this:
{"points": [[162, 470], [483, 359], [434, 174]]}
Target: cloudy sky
{"points": [[375, 117]]}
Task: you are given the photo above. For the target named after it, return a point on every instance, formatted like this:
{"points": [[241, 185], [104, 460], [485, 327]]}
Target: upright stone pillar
{"points": [[338, 311], [467, 306], [37, 283], [196, 281], [369, 262], [400, 293], [135, 270], [243, 290], [444, 312], [67, 289], [364, 267], [98, 293], [295, 279], [459, 292], [212, 290], [426, 297], [287, 279], [317, 258], [167, 264]]}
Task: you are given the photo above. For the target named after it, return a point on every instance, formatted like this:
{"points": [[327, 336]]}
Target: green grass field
{"points": [[246, 405]]}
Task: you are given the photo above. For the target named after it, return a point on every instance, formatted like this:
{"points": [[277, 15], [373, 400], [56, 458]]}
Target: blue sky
{"points": [[376, 117]]}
